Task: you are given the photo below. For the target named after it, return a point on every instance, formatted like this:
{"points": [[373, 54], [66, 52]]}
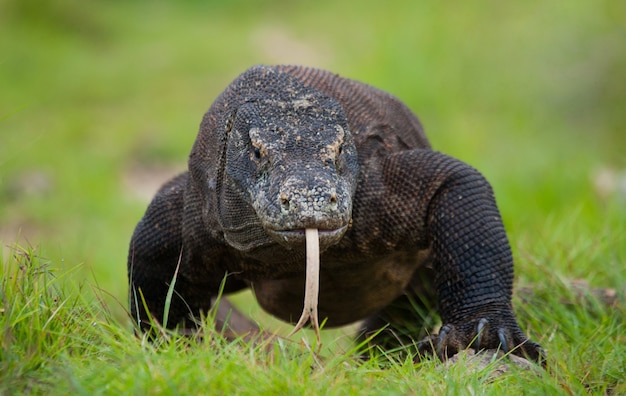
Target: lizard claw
{"points": [[502, 337], [442, 339], [454, 338], [482, 323]]}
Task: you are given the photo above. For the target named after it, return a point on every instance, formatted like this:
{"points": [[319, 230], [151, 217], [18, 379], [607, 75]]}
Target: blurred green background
{"points": [[100, 102]]}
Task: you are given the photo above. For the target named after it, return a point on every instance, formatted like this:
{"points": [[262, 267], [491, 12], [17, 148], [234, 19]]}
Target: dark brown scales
{"points": [[286, 148]]}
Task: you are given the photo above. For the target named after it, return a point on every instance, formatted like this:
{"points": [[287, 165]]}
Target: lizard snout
{"points": [[309, 201], [324, 204]]}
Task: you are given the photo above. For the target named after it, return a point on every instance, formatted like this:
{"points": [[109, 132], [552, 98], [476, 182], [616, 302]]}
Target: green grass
{"points": [[60, 341], [90, 92]]}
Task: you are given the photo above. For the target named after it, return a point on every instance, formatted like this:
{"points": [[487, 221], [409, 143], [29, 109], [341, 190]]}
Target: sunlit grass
{"points": [[58, 340]]}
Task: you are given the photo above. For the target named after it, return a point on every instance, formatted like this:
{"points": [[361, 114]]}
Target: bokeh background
{"points": [[100, 102]]}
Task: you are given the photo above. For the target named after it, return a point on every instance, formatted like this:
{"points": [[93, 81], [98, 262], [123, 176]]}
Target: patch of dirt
{"points": [[141, 182], [34, 182], [609, 182], [19, 232], [18, 227], [582, 294], [280, 46], [483, 359]]}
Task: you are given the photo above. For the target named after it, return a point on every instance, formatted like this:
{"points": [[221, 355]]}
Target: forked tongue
{"points": [[312, 283]]}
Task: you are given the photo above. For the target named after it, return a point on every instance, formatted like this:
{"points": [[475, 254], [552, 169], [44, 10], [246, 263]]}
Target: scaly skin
{"points": [[287, 148]]}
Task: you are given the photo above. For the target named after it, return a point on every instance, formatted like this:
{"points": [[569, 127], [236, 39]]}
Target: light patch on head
{"points": [[333, 149], [298, 103], [302, 103], [257, 142]]}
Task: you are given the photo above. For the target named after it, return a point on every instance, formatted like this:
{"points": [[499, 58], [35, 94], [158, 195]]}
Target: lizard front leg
{"points": [[455, 208], [159, 257]]}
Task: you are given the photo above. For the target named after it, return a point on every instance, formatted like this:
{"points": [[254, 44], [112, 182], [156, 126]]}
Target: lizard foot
{"points": [[481, 334]]}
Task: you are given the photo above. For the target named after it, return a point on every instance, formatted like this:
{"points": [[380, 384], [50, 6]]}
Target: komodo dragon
{"points": [[286, 149]]}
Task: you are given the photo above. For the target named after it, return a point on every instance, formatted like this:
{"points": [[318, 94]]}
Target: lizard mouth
{"points": [[296, 237]]}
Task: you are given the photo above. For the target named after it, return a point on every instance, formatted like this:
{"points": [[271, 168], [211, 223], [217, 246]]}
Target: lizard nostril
{"points": [[284, 201], [333, 198]]}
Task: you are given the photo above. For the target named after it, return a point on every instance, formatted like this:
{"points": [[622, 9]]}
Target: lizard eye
{"points": [[340, 150], [257, 153]]}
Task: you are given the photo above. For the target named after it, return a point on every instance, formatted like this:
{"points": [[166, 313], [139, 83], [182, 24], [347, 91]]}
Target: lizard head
{"points": [[273, 158], [296, 163]]}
